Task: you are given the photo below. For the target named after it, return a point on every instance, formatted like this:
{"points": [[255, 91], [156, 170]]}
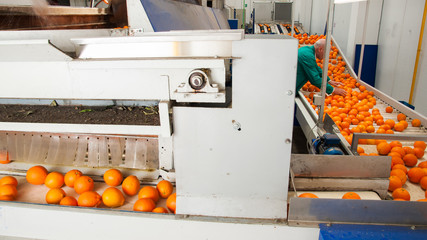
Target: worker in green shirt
{"points": [[308, 70]]}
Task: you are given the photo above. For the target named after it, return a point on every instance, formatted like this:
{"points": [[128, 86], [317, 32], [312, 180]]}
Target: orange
{"points": [[383, 148], [390, 122], [354, 121], [171, 202], [165, 188], [71, 176], [399, 127], [415, 174], [360, 149], [131, 185], [397, 161], [388, 109], [54, 180], [9, 180], [423, 182], [355, 129], [400, 166], [89, 199], [149, 192], [408, 150], [55, 195], [380, 122], [410, 160], [422, 164], [394, 154], [405, 124], [4, 157], [308, 195], [68, 201], [385, 127], [113, 197], [370, 129], [144, 205], [345, 125], [401, 117], [351, 195], [420, 144], [399, 199], [401, 193], [83, 184], [398, 150], [394, 183], [389, 131], [416, 123], [6, 198], [8, 190], [400, 174], [422, 200], [418, 152], [113, 177], [160, 210], [36, 175]]}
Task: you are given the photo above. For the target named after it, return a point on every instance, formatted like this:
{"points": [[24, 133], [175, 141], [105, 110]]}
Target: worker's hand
{"points": [[335, 83], [340, 91]]}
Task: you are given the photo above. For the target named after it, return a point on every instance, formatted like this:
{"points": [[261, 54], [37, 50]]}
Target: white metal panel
{"points": [[420, 96], [127, 47], [374, 20], [59, 38], [30, 50], [302, 13], [125, 79], [246, 170], [25, 221], [400, 27], [318, 16], [343, 16]]}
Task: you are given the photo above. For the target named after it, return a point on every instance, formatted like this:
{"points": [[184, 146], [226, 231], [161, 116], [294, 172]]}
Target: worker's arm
{"points": [[336, 89], [314, 73]]}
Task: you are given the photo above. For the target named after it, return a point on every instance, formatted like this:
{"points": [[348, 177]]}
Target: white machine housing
{"points": [[230, 159]]}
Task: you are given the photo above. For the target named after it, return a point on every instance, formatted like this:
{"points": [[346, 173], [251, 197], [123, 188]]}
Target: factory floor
{"points": [[299, 142]]}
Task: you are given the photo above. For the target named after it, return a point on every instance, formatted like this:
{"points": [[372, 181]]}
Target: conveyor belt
{"points": [[29, 193], [410, 134], [276, 28]]}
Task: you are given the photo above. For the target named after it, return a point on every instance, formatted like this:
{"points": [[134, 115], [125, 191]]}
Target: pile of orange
{"points": [[356, 113], [83, 185], [307, 39], [405, 166], [148, 196], [8, 188]]}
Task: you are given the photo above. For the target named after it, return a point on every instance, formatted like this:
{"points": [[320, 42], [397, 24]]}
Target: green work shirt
{"points": [[307, 70]]}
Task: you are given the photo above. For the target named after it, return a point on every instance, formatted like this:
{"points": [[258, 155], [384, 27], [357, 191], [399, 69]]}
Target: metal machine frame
{"points": [[213, 147]]}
